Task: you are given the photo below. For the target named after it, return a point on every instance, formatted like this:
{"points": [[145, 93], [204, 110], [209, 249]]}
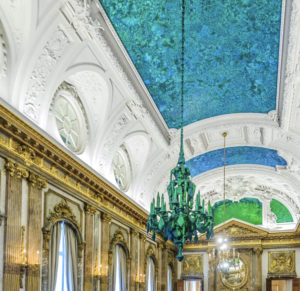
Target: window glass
{"points": [[151, 275], [169, 278], [61, 281]]}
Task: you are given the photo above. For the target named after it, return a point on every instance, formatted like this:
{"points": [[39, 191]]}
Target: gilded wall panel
{"points": [[192, 266], [281, 264]]}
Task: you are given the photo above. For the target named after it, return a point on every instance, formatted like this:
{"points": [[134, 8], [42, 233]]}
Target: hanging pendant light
{"points": [[228, 259], [182, 221]]}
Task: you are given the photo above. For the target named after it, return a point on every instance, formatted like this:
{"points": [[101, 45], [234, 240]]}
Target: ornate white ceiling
{"points": [[46, 44]]}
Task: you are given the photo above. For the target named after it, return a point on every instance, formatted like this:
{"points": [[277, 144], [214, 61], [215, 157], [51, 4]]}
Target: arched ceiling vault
{"points": [[260, 111]]}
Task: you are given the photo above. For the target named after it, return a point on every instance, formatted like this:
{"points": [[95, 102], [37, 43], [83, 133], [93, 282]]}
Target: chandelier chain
{"points": [[224, 181], [181, 155]]}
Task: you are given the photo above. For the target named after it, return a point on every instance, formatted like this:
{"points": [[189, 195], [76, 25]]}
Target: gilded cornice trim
{"points": [[35, 150]]}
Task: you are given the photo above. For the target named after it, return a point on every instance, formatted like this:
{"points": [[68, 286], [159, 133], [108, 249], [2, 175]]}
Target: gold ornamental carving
{"points": [[62, 211], [118, 238], [37, 181], [150, 253], [192, 266], [89, 209], [282, 264], [23, 142], [106, 217], [14, 169], [27, 154], [258, 251]]}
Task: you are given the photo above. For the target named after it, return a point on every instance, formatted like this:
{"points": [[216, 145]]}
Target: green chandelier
{"points": [[184, 220]]}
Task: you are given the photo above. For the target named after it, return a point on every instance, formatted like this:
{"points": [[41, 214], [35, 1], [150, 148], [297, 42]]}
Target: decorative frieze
{"points": [[27, 153]]}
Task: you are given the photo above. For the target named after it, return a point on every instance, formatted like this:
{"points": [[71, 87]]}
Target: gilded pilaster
{"points": [[13, 258], [90, 211], [212, 269], [258, 268], [142, 276], [34, 238], [160, 247], [134, 259], [105, 224], [164, 268]]}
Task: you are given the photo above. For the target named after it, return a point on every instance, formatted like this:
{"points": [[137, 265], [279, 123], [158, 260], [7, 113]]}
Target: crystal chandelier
{"points": [[182, 221]]}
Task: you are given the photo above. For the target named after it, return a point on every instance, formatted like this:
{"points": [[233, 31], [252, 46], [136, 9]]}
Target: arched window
{"points": [[169, 277], [63, 258], [151, 280], [119, 269]]}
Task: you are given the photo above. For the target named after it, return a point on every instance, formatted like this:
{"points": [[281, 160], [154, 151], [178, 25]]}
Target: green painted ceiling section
{"points": [[249, 210], [281, 212], [231, 53]]}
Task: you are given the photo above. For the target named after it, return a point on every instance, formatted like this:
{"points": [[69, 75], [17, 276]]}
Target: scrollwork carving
{"points": [[118, 238], [62, 212], [14, 169], [89, 209], [282, 264], [27, 153], [3, 53], [192, 265], [37, 181], [50, 56]]}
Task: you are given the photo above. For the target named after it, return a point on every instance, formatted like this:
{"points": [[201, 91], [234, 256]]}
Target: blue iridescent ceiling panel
{"points": [[234, 156], [231, 53]]}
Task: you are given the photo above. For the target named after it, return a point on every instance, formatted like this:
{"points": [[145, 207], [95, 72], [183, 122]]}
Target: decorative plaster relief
{"points": [[70, 117], [111, 142], [290, 73], [93, 89], [249, 185], [49, 58], [3, 53], [97, 34], [122, 169], [82, 20]]}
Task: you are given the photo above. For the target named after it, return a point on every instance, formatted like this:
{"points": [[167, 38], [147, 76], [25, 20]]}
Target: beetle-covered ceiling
{"points": [[231, 53]]}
